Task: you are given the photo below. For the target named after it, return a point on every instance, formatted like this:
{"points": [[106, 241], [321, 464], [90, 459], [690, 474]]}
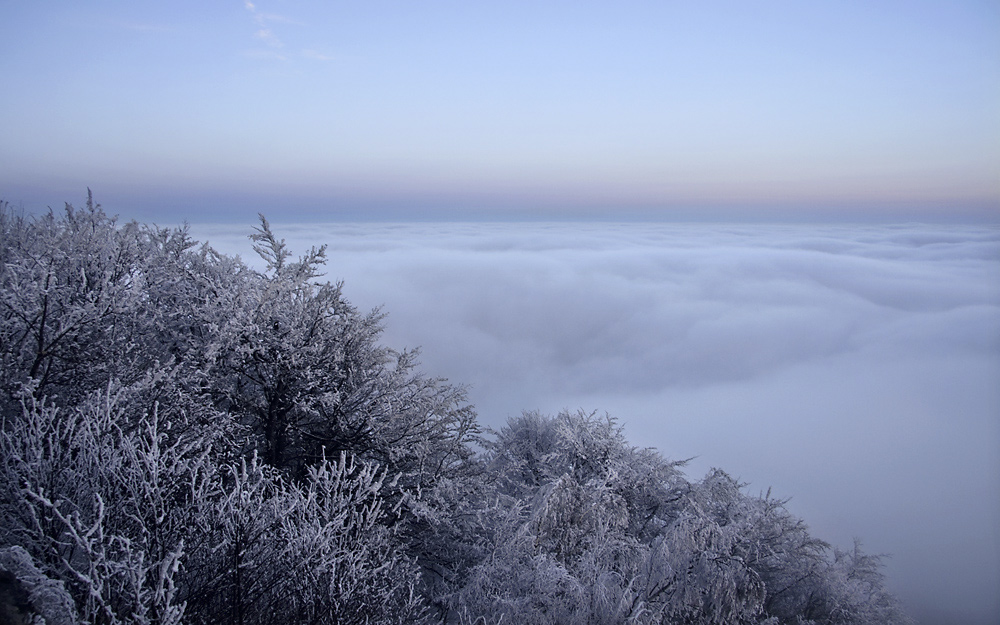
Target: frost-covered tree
{"points": [[65, 290], [130, 463], [186, 440], [143, 527], [100, 496], [273, 551], [85, 302], [597, 531], [28, 593], [584, 506], [301, 368]]}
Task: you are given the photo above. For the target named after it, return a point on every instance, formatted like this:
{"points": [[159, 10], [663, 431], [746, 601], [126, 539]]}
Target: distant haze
{"points": [[853, 369]]}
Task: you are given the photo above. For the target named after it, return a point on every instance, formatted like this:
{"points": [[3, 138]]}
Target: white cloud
{"points": [[264, 32], [267, 36]]}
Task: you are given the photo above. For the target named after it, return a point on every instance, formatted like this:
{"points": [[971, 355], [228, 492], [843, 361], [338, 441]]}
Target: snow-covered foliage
{"points": [[314, 552], [598, 531], [43, 597], [302, 368], [102, 504], [186, 440]]}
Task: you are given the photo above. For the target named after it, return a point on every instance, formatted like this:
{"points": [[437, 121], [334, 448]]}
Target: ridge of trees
{"points": [[186, 440]]}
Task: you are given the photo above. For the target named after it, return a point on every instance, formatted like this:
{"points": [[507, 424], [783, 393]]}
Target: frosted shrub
{"points": [[142, 526], [186, 440], [101, 506], [605, 533], [46, 598], [276, 552]]}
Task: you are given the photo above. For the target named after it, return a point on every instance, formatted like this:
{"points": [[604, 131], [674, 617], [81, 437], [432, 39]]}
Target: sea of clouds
{"points": [[853, 369]]}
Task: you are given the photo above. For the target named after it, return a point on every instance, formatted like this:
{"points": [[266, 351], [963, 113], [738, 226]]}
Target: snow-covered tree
{"points": [[275, 551], [65, 286], [100, 499], [28, 593], [598, 531], [303, 370], [186, 440], [582, 504]]}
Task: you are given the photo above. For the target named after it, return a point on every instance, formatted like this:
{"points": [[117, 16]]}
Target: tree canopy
{"points": [[184, 439]]}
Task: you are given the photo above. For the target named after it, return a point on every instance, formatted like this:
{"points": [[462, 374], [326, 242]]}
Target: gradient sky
{"points": [[178, 110]]}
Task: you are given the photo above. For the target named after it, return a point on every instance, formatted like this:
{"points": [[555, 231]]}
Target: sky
{"points": [[513, 110], [852, 369]]}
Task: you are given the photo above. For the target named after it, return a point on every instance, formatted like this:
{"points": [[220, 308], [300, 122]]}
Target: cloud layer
{"points": [[854, 369]]}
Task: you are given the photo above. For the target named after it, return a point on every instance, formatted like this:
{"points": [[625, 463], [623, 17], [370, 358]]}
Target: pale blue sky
{"points": [[328, 109]]}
